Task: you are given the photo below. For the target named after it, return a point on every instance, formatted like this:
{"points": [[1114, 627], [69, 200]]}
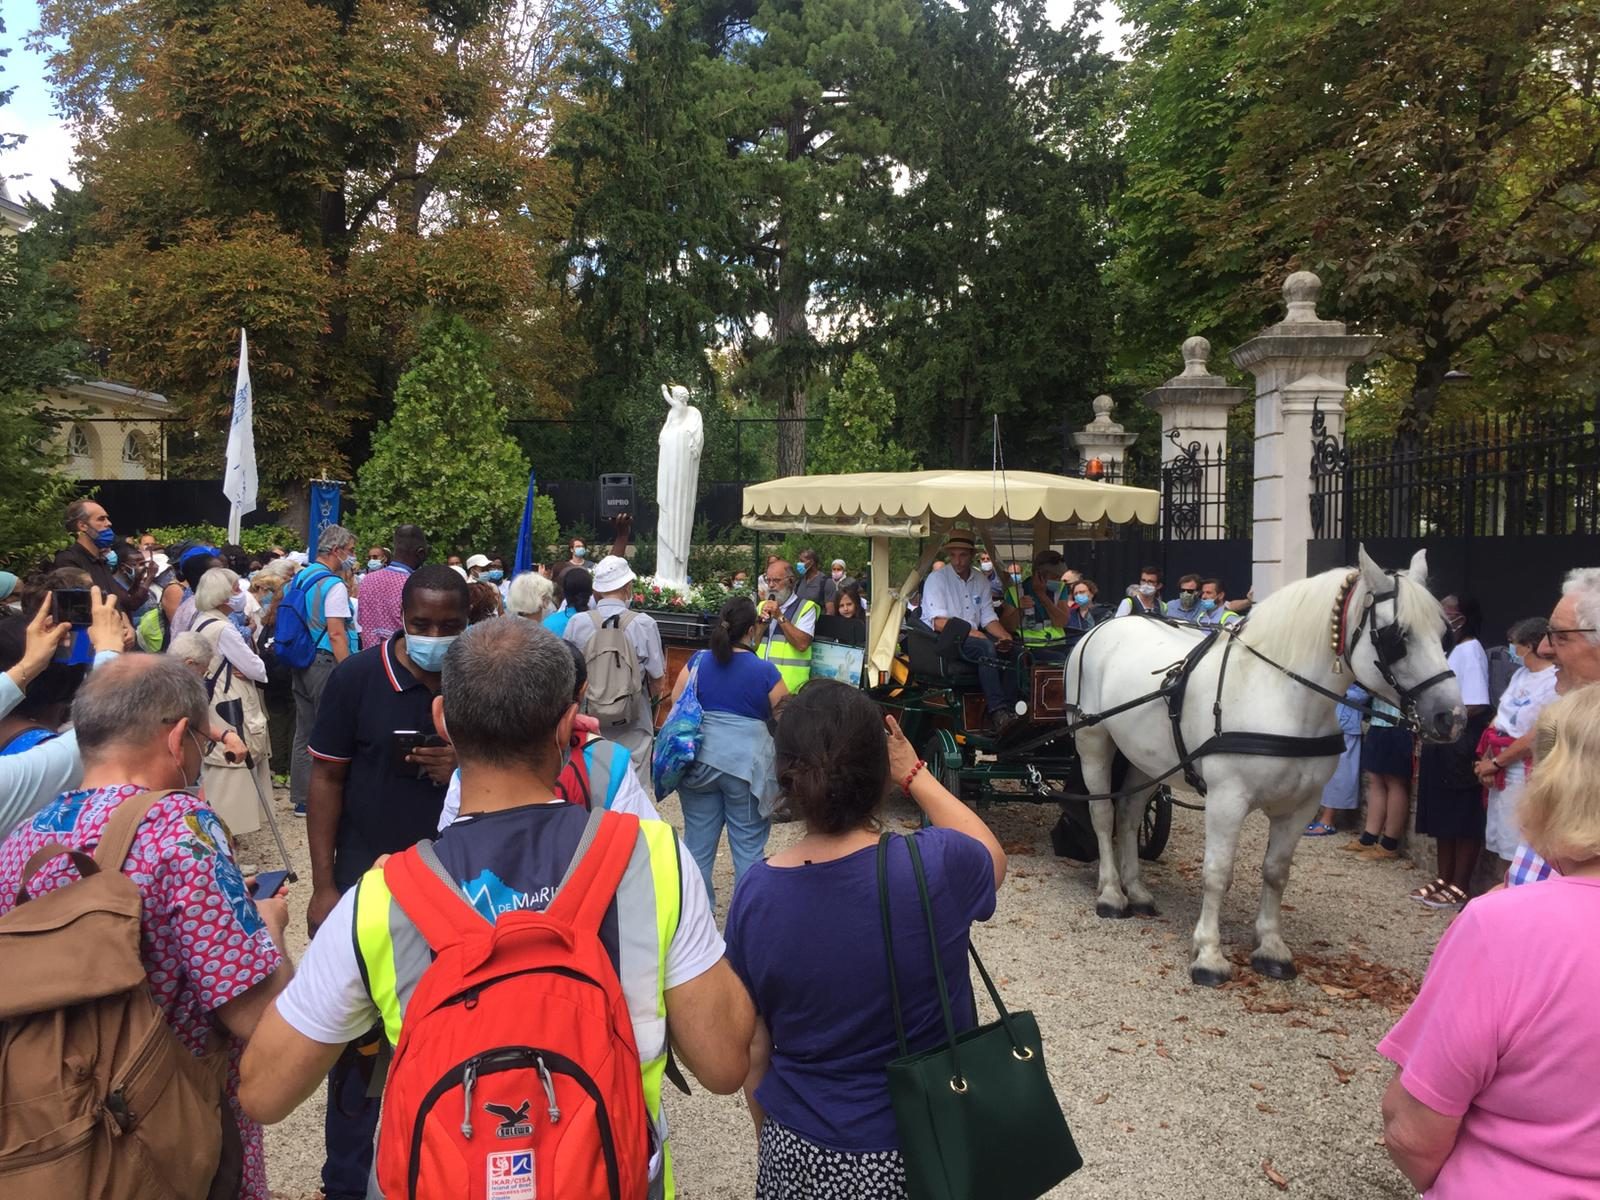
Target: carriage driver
{"points": [[961, 592]]}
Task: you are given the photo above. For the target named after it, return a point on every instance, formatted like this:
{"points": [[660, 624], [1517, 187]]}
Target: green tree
{"points": [[857, 421], [1437, 162], [444, 460]]}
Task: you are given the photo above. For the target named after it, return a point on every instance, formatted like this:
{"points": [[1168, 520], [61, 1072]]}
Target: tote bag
{"points": [[678, 739]]}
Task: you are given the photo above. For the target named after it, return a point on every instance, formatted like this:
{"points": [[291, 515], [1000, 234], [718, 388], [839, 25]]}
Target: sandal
{"points": [[1318, 829], [1450, 896], [1421, 894]]}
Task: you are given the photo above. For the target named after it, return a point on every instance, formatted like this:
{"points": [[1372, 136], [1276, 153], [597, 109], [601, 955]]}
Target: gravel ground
{"points": [[1171, 1090]]}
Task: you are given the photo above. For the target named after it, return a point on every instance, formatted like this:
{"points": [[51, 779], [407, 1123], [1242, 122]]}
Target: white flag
{"points": [[239, 479]]}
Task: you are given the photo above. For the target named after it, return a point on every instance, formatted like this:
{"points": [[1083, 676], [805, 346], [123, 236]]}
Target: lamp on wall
{"points": [[1094, 469]]}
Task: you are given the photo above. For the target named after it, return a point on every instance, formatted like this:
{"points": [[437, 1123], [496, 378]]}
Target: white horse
{"points": [[1381, 629]]}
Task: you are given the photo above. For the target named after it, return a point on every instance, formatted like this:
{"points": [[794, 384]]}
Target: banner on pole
{"points": [[239, 477], [524, 556], [325, 496]]}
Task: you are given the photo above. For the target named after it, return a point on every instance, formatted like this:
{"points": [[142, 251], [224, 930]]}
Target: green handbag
{"points": [[977, 1117]]}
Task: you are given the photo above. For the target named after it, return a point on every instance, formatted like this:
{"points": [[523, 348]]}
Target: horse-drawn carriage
{"points": [[919, 675], [1248, 718]]}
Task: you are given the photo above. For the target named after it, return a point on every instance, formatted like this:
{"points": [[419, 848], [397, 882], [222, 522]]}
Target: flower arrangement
{"points": [[648, 592]]}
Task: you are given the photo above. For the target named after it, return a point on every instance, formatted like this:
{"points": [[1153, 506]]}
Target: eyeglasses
{"points": [[1558, 635], [206, 746], [1188, 592]]}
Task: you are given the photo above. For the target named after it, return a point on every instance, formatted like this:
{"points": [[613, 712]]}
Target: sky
{"points": [[47, 154]]}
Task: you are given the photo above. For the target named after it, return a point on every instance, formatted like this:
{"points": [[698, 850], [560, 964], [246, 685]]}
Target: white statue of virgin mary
{"points": [[677, 475]]}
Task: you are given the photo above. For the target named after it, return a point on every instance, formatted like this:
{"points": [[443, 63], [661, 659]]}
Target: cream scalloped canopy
{"points": [[910, 503]]}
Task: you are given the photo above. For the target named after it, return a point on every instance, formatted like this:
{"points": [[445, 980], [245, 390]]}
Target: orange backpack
{"points": [[100, 1097], [517, 1073]]}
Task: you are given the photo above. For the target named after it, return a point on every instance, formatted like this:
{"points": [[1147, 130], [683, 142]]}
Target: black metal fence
{"points": [[1494, 475], [1207, 491]]}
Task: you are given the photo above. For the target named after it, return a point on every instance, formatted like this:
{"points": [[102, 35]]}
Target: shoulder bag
{"points": [[977, 1116], [678, 740]]}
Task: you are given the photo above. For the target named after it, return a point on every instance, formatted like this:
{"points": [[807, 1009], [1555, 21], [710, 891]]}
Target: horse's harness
{"points": [[1389, 645]]}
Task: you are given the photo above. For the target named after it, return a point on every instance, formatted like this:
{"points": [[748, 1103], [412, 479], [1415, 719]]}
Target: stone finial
{"points": [[1196, 357], [1103, 422], [1300, 292]]}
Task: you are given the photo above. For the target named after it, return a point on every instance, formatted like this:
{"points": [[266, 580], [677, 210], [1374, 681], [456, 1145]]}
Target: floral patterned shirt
{"points": [[202, 940]]}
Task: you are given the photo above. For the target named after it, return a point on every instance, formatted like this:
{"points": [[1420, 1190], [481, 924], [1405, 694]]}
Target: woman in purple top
{"points": [[804, 932]]}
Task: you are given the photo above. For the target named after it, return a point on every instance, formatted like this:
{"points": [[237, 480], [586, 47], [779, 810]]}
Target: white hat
{"points": [[459, 570], [612, 574], [161, 561], [838, 562], [478, 560], [298, 557]]}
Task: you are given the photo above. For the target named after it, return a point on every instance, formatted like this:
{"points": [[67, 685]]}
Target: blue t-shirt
{"points": [[556, 622], [808, 943], [742, 687]]}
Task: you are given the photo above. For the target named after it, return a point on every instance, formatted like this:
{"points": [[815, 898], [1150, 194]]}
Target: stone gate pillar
{"points": [[1104, 439], [1196, 405], [1301, 364]]}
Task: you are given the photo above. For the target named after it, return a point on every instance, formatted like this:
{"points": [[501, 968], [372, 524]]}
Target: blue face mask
{"points": [[800, 568], [1207, 603], [374, 564], [111, 558], [1053, 589], [105, 538], [428, 652], [1082, 599], [1016, 577], [493, 576]]}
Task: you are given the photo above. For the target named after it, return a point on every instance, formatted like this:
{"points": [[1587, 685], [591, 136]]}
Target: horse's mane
{"points": [[1294, 625]]}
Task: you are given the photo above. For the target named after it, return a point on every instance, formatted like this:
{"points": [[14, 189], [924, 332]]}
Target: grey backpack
{"points": [[614, 675]]}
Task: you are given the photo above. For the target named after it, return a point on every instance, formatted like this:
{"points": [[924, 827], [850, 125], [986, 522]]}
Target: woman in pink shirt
{"points": [[1496, 1094]]}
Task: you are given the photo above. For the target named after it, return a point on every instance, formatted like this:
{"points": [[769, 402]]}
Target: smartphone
{"points": [[268, 883], [71, 606], [405, 741]]}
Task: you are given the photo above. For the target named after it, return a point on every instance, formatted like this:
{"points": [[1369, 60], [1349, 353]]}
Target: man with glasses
{"points": [[1144, 597], [1187, 606], [1573, 642]]}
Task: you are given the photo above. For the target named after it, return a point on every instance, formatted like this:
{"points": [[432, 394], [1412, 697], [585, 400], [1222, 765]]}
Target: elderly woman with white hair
{"points": [[531, 596], [234, 674]]}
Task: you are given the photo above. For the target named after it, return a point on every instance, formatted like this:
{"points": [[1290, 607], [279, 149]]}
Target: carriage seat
{"points": [[935, 658]]}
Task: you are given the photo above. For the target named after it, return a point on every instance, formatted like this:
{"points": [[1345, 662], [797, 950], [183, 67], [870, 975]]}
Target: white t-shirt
{"points": [[630, 798], [337, 603], [945, 594], [1471, 665], [327, 1001], [1524, 698]]}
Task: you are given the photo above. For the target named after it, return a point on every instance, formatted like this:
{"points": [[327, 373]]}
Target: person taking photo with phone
{"points": [[378, 778]]}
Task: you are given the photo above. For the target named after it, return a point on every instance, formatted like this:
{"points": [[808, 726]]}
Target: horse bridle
{"points": [[1388, 641]]}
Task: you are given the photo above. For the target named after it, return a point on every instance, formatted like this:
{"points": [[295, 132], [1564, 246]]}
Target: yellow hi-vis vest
{"points": [[394, 955], [1036, 635], [793, 665]]}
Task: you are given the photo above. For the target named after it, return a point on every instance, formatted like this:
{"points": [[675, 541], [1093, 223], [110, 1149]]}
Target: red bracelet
{"points": [[906, 786]]}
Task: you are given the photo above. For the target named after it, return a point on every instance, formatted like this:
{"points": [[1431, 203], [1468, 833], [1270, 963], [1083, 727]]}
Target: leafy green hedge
{"points": [[254, 538]]}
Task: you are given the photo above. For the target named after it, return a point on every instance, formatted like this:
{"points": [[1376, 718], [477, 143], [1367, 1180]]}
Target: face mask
{"points": [[1016, 577], [111, 558], [579, 551], [1186, 602], [838, 574], [105, 537], [1081, 599], [1207, 603], [428, 652], [192, 785], [494, 576], [374, 564], [799, 568], [988, 567], [1147, 589], [348, 563], [236, 602], [1053, 589]]}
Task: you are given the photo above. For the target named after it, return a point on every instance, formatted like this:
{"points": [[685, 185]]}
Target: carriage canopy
{"points": [[920, 504], [915, 503]]}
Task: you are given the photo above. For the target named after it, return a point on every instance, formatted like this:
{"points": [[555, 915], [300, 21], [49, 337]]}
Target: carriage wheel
{"points": [[1156, 824], [943, 756]]}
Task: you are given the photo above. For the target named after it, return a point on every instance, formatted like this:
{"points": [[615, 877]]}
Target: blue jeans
{"points": [[349, 1129], [710, 799], [999, 688]]}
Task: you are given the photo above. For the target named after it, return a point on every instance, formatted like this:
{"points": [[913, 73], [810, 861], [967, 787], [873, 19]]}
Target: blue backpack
{"points": [[293, 641]]}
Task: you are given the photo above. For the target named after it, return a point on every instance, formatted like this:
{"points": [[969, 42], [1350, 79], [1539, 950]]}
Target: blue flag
{"points": [[324, 509], [525, 534]]}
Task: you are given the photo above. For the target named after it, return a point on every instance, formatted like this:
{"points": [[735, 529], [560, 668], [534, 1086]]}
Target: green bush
{"points": [[254, 538]]}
